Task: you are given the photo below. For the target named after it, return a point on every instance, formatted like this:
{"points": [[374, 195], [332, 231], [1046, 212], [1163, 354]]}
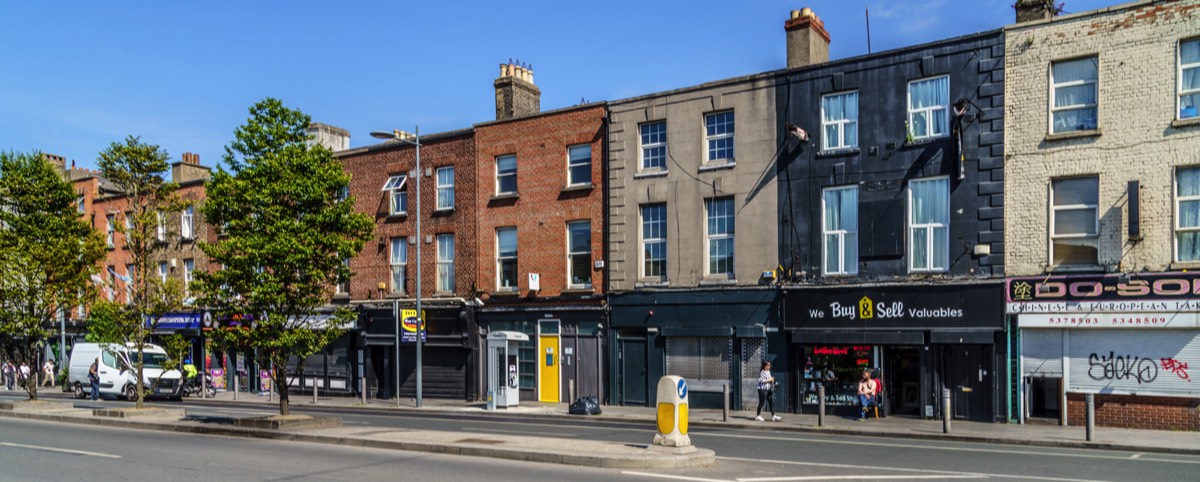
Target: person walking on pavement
{"points": [[94, 378], [24, 369], [866, 393], [7, 372], [766, 391], [48, 373]]}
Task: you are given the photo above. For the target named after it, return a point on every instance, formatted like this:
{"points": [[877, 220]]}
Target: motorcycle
{"points": [[191, 386]]}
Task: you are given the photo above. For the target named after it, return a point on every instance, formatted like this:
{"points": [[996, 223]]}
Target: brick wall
{"points": [[1137, 140], [369, 169], [544, 204], [1130, 411]]}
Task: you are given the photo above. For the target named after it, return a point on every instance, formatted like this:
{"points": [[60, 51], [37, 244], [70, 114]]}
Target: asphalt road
{"points": [[757, 455]]}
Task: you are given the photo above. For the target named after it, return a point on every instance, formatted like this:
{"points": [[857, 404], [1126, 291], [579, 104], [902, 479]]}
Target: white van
{"points": [[118, 371]]}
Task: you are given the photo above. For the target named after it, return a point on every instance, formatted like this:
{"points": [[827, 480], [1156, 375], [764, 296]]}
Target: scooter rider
{"points": [[189, 370]]}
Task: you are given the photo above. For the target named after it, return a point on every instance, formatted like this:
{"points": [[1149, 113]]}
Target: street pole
{"points": [[396, 365], [62, 343], [420, 315]]}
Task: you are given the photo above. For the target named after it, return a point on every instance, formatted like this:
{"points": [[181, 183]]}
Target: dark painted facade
{"points": [[926, 163]]}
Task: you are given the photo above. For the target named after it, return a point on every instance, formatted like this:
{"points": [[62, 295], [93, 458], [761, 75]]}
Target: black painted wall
{"points": [[884, 162]]}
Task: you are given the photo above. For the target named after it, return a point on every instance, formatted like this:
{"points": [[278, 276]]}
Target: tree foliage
{"points": [[138, 170], [48, 255], [286, 229]]}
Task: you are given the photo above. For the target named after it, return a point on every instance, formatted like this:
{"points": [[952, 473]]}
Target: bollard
{"points": [[821, 405], [271, 392], [204, 384], [570, 391], [235, 386], [314, 392], [1090, 402], [362, 389], [725, 402], [945, 410]]}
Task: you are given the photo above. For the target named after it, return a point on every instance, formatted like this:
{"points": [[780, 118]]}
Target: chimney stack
{"points": [[333, 138], [59, 162], [189, 169], [807, 40], [516, 95], [1031, 10]]}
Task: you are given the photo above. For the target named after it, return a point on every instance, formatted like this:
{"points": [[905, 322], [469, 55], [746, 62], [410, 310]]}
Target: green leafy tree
{"points": [[48, 255], [287, 227], [138, 170]]}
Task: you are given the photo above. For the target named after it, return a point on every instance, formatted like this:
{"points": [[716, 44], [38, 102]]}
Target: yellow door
{"points": [[548, 359]]}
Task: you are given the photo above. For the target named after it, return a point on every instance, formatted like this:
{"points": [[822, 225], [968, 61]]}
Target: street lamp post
{"points": [[415, 140]]}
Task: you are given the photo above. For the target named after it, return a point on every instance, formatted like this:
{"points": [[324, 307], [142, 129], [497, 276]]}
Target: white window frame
{"points": [[163, 271], [575, 161], [398, 260], [500, 259], [130, 271], [1179, 200], [930, 241], [710, 237], [500, 176], [445, 192], [128, 225], [1179, 82], [1054, 210], [160, 228], [189, 267], [397, 189], [646, 241], [646, 146], [445, 263], [185, 223], [572, 254], [344, 287], [845, 268], [1054, 86], [80, 204], [708, 139], [842, 124], [928, 110], [110, 227]]}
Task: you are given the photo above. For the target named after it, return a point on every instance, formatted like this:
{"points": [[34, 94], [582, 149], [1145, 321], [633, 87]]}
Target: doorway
{"points": [[632, 356], [549, 370], [1044, 398], [968, 375], [902, 380]]}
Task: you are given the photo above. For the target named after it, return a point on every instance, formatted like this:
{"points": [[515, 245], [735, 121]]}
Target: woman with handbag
{"points": [[766, 392]]}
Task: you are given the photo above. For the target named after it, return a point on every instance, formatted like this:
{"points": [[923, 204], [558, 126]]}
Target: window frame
{"points": [[160, 228], [501, 176], [130, 271], [164, 271], [571, 254], [186, 223], [189, 268], [574, 162], [397, 188], [710, 138], [1178, 201], [839, 123], [929, 110], [110, 229], [1054, 209], [643, 146], [395, 264], [1181, 67], [445, 262], [1075, 83], [930, 227], [501, 259], [847, 268], [646, 241], [445, 192], [709, 237]]}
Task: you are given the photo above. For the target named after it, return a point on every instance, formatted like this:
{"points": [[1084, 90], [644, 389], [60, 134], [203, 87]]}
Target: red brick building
{"points": [[384, 185], [540, 208]]}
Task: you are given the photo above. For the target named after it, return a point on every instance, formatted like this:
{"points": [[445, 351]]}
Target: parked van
{"points": [[118, 371]]}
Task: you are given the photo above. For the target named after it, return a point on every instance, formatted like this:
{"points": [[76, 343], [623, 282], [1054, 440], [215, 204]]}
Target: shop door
{"points": [[549, 365], [633, 371], [969, 379]]}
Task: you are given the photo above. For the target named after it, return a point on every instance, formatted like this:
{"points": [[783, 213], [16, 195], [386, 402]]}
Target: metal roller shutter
{"points": [[1041, 353]]}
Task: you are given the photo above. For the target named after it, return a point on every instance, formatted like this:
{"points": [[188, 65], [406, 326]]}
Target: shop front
{"points": [[561, 361], [914, 339], [1131, 340], [447, 355], [717, 339]]}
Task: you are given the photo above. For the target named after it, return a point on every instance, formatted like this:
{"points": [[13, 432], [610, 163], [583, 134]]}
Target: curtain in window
{"points": [[925, 94], [1189, 53], [1076, 95], [930, 205], [1188, 182]]}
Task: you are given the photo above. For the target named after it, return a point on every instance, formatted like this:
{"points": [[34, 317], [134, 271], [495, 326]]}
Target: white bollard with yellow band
{"points": [[672, 412]]}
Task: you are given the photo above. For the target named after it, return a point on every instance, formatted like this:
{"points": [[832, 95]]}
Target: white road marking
{"points": [[1136, 456], [61, 451], [901, 469], [955, 449], [863, 477], [516, 432], [673, 477]]}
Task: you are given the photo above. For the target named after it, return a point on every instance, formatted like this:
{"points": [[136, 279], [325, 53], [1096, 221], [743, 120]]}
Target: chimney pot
{"points": [[805, 12]]}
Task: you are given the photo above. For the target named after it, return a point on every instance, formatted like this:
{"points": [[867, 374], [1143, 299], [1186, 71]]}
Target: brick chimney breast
{"points": [[189, 169], [1031, 10], [516, 94], [807, 39]]}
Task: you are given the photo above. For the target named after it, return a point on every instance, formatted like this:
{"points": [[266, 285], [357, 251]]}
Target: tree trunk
{"points": [[141, 385], [280, 377]]}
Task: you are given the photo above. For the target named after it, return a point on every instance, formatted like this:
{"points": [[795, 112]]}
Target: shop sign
{"points": [[1109, 320], [175, 321], [899, 307], [409, 324], [1135, 292]]}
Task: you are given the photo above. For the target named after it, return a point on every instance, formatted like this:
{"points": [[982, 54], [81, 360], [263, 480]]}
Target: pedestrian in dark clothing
{"points": [[766, 392], [94, 378]]}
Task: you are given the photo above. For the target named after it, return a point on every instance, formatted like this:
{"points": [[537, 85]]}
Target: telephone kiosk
{"points": [[504, 377]]}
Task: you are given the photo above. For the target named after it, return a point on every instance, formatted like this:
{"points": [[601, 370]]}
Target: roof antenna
{"points": [[868, 13]]}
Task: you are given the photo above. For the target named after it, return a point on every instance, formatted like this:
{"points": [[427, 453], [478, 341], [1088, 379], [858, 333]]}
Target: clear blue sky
{"points": [[78, 75]]}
